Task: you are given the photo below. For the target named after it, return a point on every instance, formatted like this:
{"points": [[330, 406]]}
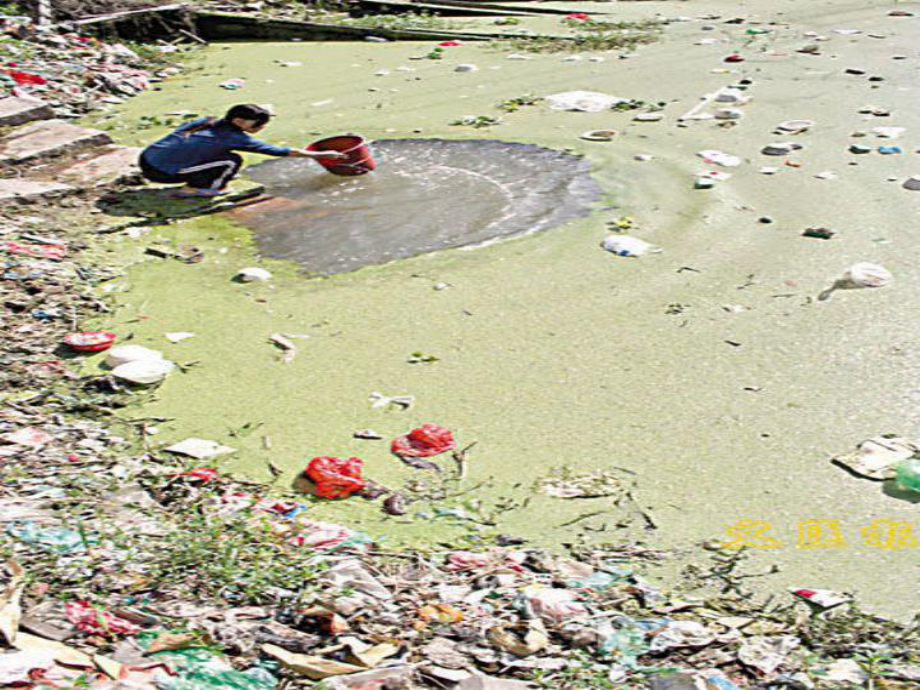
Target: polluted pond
{"points": [[427, 195], [209, 468]]}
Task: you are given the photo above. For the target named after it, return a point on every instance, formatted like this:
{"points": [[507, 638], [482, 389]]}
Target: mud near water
{"points": [[426, 195]]}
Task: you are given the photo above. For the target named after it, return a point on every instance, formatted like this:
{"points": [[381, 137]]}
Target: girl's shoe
{"points": [[189, 193]]}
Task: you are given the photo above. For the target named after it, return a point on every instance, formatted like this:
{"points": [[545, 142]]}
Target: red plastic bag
{"points": [[26, 79], [53, 252], [89, 619], [427, 440], [335, 477]]}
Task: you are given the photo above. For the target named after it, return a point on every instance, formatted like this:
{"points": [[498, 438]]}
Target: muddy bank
{"points": [[554, 353]]}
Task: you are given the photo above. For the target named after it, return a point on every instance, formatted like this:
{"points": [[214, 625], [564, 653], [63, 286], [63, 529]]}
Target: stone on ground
{"points": [[48, 138], [24, 190], [18, 111], [112, 166]]}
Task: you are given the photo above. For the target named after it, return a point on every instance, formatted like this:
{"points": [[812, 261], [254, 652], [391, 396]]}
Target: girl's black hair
{"points": [[245, 111]]}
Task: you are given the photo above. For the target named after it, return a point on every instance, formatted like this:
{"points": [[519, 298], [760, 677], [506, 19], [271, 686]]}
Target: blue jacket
{"points": [[177, 151]]}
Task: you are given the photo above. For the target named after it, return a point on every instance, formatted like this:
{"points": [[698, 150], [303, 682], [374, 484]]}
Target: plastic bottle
{"points": [[907, 473]]}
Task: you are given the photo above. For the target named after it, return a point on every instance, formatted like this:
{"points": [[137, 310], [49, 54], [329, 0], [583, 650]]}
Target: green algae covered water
{"points": [[710, 371]]}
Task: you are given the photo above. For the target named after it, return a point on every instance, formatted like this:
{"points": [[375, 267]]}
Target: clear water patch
{"points": [[426, 195]]}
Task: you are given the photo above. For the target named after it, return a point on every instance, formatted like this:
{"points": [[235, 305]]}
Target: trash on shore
{"points": [[823, 598], [90, 341], [199, 448]]}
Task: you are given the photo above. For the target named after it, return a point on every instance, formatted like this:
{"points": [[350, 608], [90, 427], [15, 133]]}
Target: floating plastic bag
{"points": [[144, 372], [424, 442], [335, 477], [583, 101], [624, 245], [867, 275], [93, 621], [123, 354], [726, 160], [199, 448]]}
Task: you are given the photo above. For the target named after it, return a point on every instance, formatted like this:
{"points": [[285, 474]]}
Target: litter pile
{"points": [[142, 574], [74, 74]]}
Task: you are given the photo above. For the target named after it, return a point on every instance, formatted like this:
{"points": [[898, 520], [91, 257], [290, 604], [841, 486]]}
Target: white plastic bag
{"points": [[583, 101], [867, 275], [726, 160], [144, 372], [130, 353], [199, 448], [624, 245]]}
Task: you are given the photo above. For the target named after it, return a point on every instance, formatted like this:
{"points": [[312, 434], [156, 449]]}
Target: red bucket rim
{"points": [[357, 138]]}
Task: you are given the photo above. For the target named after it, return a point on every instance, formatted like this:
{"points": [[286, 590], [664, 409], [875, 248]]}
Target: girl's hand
{"points": [[335, 155]]}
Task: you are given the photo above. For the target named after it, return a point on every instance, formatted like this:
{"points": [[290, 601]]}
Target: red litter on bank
{"points": [[824, 598], [734, 57], [90, 341], [335, 477], [424, 442]]}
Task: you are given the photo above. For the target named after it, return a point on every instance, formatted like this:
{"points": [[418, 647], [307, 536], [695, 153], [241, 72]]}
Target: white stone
{"points": [[18, 111], [252, 274], [16, 189], [48, 138]]}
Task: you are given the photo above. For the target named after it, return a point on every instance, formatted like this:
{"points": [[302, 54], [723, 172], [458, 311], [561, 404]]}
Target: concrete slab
{"points": [[112, 166], [19, 111], [25, 190], [48, 138]]}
